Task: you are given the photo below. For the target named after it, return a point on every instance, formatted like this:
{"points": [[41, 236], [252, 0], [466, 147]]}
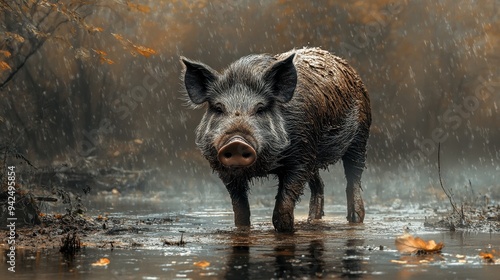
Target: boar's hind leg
{"points": [[238, 190], [317, 197], [354, 163], [290, 188]]}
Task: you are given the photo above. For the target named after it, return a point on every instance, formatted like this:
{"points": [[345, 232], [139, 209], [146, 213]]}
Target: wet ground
{"points": [[143, 242]]}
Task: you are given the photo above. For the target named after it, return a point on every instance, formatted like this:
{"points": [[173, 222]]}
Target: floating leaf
{"points": [[488, 256], [101, 262], [416, 245], [202, 264]]}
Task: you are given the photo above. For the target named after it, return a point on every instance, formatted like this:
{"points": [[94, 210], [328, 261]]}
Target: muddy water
{"points": [[215, 250]]}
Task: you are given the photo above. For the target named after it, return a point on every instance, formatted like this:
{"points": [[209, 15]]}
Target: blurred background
{"points": [[97, 84]]}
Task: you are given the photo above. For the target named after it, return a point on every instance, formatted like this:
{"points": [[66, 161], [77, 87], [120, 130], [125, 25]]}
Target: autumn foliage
{"points": [[416, 58], [408, 244]]}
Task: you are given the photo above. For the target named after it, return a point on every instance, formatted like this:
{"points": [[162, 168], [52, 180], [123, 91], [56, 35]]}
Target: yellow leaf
{"points": [[202, 264], [117, 36], [409, 244], [96, 29], [4, 66], [101, 262]]}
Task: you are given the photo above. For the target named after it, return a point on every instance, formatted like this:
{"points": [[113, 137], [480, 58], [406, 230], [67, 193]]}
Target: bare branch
{"points": [[447, 192]]}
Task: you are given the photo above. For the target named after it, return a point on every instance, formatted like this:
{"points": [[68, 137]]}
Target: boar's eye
{"points": [[218, 108], [260, 109]]}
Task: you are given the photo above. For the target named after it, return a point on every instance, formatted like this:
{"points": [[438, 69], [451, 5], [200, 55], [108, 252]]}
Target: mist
{"points": [[107, 86]]}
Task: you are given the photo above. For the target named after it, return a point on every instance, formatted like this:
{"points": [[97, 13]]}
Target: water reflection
{"points": [[352, 265], [239, 263], [293, 256]]}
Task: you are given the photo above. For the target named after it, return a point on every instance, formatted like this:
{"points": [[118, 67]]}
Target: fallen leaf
{"points": [[101, 218], [101, 262], [202, 264], [488, 256], [408, 244]]}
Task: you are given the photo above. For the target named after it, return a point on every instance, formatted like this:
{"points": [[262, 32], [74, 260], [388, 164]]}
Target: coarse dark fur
{"points": [[302, 111]]}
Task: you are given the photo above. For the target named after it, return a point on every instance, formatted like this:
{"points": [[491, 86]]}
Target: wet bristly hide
{"points": [[300, 111]]}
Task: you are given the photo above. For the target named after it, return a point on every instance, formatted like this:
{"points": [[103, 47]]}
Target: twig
{"points": [[441, 182]]}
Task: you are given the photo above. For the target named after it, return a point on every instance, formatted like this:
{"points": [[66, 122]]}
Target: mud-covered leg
{"points": [[316, 203], [238, 190], [354, 164], [289, 192]]}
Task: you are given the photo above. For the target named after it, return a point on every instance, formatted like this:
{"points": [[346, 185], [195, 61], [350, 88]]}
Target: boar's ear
{"points": [[197, 79], [282, 76]]}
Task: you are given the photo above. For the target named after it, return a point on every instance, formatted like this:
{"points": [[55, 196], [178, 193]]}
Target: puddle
{"points": [[215, 250]]}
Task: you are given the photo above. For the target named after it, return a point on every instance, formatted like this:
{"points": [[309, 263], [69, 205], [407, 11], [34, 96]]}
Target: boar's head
{"points": [[243, 130]]}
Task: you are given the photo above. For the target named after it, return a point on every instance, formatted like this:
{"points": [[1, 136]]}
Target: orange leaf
{"points": [[99, 52], [409, 244], [202, 264], [117, 36], [101, 262], [4, 65], [144, 51], [106, 60], [488, 256], [96, 29], [138, 7], [15, 36], [5, 53]]}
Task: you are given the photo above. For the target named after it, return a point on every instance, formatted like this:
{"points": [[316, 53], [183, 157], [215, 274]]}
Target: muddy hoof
{"points": [[355, 217], [283, 223]]}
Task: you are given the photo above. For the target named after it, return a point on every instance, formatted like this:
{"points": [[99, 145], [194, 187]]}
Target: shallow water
{"points": [[330, 248]]}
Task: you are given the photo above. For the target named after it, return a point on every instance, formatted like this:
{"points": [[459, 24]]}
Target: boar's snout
{"points": [[237, 152]]}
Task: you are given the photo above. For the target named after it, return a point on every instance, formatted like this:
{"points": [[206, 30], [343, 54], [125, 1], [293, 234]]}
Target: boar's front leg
{"points": [[289, 190], [238, 190]]}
